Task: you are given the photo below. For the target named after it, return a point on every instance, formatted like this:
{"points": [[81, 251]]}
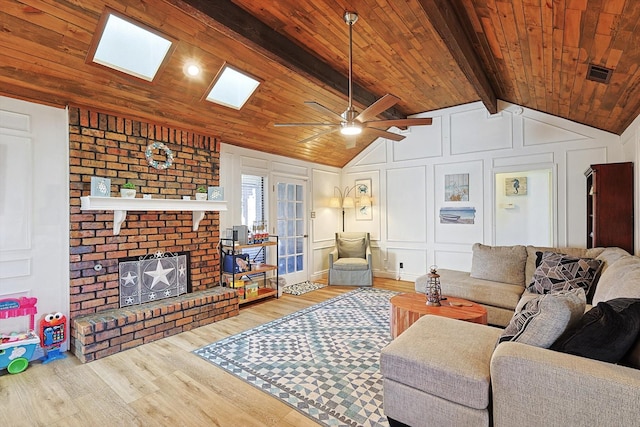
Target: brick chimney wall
{"points": [[109, 146]]}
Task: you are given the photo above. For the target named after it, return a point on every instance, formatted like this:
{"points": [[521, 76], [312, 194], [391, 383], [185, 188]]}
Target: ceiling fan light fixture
{"points": [[351, 129]]}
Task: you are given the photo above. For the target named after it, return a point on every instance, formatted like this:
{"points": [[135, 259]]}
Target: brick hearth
{"points": [[108, 332]]}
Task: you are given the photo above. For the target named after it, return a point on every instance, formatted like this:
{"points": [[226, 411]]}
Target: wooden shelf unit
{"points": [[230, 247], [610, 206]]}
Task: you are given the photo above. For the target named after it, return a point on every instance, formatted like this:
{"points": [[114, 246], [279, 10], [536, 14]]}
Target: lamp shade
{"points": [[348, 202], [334, 202], [365, 200]]}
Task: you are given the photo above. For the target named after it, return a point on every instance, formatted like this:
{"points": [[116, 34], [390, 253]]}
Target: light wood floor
{"points": [[158, 384]]}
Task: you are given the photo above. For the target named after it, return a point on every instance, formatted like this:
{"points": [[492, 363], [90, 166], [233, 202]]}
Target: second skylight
{"points": [[232, 88]]}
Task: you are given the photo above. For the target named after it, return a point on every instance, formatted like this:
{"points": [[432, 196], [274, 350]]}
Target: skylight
{"points": [[130, 48], [232, 88]]}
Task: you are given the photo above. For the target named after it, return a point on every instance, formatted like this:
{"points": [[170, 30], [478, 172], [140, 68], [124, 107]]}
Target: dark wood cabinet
{"points": [[610, 206]]}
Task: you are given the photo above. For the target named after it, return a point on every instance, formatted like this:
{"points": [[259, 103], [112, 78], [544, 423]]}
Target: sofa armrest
{"points": [[333, 256], [534, 386]]}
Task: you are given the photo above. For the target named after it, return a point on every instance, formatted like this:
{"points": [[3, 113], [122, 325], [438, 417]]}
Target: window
{"points": [[253, 209]]}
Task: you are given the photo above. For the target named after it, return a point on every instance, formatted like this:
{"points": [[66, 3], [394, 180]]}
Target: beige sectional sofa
{"points": [[499, 275], [442, 371]]}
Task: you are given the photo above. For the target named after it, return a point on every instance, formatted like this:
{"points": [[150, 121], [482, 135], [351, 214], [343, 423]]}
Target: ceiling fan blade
{"points": [[384, 134], [324, 110], [318, 135], [378, 107], [401, 122], [279, 125]]}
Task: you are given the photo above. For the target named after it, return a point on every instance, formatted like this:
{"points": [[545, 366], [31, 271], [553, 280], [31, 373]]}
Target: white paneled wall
{"points": [[467, 140]]}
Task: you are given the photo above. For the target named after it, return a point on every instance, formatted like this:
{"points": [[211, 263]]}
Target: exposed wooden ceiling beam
{"points": [[447, 23], [236, 22]]}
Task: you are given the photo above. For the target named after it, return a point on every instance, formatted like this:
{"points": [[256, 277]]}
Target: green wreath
{"points": [[148, 153]]}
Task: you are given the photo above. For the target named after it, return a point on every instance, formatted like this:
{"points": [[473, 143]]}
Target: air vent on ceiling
{"points": [[599, 74]]}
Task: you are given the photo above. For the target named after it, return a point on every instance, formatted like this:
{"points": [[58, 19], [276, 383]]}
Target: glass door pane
{"points": [[291, 229]]}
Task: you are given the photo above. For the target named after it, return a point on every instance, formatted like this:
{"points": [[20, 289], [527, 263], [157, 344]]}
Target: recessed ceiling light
{"points": [[232, 88], [192, 70], [130, 48]]}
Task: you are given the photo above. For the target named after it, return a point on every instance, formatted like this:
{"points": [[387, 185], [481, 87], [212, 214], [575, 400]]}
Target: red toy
{"points": [[52, 334]]}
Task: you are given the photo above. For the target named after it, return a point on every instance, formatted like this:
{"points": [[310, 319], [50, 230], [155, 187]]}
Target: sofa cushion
{"points": [[620, 280], [543, 319], [576, 252], [351, 247], [461, 285], [351, 264], [606, 332], [499, 263], [563, 272]]}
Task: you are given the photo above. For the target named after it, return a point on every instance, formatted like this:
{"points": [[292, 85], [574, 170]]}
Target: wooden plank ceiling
{"points": [[430, 53]]}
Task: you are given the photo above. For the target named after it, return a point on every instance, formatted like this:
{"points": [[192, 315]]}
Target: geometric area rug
{"points": [[322, 360]]}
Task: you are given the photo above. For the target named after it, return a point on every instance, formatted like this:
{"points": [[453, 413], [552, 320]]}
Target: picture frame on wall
{"points": [[364, 211], [515, 186], [362, 188], [456, 187]]}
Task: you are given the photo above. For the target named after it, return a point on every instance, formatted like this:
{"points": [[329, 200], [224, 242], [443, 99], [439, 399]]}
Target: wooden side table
{"points": [[408, 307]]}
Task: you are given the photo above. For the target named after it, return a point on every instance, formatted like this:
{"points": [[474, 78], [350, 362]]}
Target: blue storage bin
{"points": [[229, 266]]}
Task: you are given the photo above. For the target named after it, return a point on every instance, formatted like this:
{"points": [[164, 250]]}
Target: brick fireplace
{"points": [[113, 147]]}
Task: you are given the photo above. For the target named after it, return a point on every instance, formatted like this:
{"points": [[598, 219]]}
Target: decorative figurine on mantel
{"points": [[434, 292]]}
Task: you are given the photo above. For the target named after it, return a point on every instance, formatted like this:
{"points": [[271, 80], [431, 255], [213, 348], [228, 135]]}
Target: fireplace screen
{"points": [[153, 277]]}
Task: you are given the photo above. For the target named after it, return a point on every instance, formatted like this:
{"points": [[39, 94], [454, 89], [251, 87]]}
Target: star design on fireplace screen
{"points": [[129, 279], [159, 275]]}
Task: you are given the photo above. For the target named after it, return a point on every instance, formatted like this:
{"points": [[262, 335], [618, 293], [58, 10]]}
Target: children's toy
{"points": [[52, 334], [16, 348]]}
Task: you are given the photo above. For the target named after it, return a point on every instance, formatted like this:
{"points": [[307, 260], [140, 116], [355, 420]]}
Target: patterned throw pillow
{"points": [[543, 319], [558, 272]]}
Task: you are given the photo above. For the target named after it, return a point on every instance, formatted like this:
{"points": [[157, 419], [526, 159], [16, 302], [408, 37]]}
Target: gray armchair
{"points": [[350, 261]]}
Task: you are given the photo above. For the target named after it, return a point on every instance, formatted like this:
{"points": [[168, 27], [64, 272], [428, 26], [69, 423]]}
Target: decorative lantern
{"points": [[434, 292]]}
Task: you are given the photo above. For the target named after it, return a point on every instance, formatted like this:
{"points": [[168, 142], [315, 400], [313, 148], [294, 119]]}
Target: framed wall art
{"points": [[362, 188], [362, 195], [456, 187], [515, 186]]}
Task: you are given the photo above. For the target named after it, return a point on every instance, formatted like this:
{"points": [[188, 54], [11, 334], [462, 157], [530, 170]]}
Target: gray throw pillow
{"points": [[558, 272], [351, 248], [499, 263], [543, 319]]}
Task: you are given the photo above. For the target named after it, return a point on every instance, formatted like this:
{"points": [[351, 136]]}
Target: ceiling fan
{"points": [[350, 123]]}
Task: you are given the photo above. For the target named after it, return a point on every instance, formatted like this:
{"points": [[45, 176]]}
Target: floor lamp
{"points": [[344, 201]]}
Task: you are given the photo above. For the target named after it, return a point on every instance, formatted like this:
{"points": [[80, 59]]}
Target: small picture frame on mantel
{"points": [[100, 187], [216, 193]]}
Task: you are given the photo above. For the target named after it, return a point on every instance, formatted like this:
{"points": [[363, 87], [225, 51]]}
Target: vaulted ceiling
{"points": [[430, 53]]}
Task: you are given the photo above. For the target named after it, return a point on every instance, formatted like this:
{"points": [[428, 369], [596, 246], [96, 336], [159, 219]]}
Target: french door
{"points": [[291, 228]]}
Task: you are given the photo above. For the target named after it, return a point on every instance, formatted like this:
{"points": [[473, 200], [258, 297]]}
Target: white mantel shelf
{"points": [[120, 206]]}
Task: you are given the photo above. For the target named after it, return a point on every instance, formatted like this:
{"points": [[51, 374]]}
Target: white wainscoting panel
{"points": [[447, 232], [328, 220], [475, 130], [406, 204], [420, 143], [452, 260]]}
